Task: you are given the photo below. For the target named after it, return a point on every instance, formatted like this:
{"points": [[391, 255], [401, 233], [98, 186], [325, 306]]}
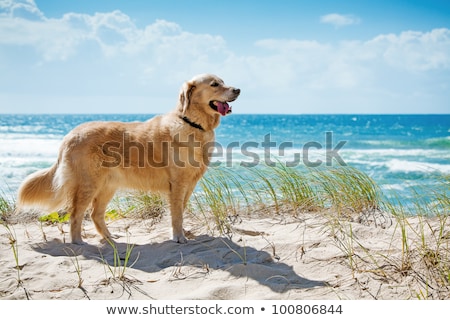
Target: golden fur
{"points": [[167, 154]]}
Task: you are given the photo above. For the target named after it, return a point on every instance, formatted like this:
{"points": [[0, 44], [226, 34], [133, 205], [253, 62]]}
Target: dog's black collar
{"points": [[192, 124]]}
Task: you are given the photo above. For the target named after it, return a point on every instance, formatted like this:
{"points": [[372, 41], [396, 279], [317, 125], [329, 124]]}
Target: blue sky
{"points": [[298, 57]]}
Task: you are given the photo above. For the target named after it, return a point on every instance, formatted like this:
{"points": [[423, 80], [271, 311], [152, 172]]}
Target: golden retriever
{"points": [[167, 154]]}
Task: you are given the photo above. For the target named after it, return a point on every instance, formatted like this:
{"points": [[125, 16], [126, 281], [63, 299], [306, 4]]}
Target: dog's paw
{"points": [[179, 238], [110, 239]]}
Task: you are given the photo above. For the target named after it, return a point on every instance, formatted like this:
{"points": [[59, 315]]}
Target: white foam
{"points": [[29, 147], [396, 165], [394, 152], [393, 187], [21, 155]]}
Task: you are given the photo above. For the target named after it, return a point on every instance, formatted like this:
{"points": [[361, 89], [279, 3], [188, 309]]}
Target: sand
{"points": [[264, 256]]}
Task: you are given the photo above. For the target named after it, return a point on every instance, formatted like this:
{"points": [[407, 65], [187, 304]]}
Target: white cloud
{"points": [[414, 51], [350, 64], [20, 8], [112, 35], [339, 20]]}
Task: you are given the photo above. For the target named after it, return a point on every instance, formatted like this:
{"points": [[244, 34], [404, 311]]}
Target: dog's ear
{"points": [[185, 96]]}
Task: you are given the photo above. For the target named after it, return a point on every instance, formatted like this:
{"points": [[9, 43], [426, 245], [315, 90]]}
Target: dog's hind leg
{"points": [[80, 202], [98, 213]]}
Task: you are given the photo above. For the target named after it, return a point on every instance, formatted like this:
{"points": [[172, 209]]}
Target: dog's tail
{"points": [[41, 190]]}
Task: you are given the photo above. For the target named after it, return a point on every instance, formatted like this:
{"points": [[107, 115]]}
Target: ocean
{"points": [[399, 152]]}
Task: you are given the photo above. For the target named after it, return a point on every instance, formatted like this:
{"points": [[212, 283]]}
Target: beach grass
{"points": [[7, 205], [138, 204], [223, 193]]}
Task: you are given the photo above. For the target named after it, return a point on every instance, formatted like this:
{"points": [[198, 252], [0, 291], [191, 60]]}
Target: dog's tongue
{"points": [[222, 107]]}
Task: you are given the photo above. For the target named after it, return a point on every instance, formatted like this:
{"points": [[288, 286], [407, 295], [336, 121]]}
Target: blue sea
{"points": [[398, 151]]}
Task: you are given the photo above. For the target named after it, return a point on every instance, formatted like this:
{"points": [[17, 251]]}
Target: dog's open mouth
{"points": [[221, 107]]}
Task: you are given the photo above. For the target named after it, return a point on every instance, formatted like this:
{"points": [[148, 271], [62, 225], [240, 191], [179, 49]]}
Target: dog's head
{"points": [[208, 93]]}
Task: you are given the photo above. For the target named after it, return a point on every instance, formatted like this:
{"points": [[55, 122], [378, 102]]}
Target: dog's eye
{"points": [[214, 84]]}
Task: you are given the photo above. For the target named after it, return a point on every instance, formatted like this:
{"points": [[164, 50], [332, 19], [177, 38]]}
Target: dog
{"points": [[167, 154]]}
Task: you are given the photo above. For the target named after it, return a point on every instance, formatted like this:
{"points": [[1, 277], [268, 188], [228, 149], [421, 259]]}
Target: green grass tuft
{"points": [[143, 205], [7, 206], [348, 190]]}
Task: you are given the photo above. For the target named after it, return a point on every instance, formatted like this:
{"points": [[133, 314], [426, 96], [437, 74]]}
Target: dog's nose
{"points": [[236, 91]]}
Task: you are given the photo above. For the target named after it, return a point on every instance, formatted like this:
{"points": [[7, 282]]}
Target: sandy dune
{"points": [[311, 256]]}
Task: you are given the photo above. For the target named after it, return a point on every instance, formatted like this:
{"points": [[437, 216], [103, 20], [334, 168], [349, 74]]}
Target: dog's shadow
{"points": [[205, 253]]}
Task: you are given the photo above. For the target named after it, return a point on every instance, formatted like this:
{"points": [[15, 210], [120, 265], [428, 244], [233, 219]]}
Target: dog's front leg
{"points": [[176, 203]]}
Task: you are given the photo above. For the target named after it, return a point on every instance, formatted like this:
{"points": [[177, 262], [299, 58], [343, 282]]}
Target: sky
{"points": [[287, 57]]}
